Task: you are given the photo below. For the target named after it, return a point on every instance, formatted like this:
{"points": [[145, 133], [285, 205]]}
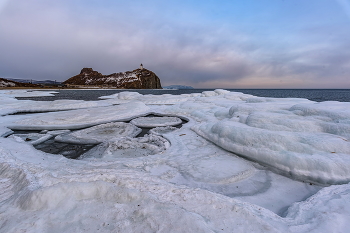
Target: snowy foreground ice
{"points": [[240, 164]]}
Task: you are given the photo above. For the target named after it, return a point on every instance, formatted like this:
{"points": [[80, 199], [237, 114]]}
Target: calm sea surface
{"points": [[319, 95]]}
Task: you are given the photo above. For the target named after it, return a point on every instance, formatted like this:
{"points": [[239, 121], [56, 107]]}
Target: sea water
{"points": [[319, 95]]}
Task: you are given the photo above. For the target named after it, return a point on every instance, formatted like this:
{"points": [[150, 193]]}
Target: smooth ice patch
{"points": [[220, 170]]}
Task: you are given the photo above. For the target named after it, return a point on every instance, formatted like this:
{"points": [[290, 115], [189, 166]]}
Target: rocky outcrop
{"points": [[136, 79]]}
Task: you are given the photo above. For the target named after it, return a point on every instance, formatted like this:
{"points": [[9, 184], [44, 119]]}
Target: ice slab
{"points": [[33, 138], [162, 130], [167, 99], [25, 93], [28, 106], [309, 141], [100, 133], [151, 122], [82, 118]]}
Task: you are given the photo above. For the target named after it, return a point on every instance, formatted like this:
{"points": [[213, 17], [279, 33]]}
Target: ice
{"points": [[25, 93], [167, 99], [162, 130], [82, 118], [33, 138], [49, 106], [129, 147], [151, 122], [241, 164], [100, 133], [301, 144]]}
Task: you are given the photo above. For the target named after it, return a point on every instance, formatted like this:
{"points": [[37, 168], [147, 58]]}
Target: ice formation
{"points": [[241, 164], [162, 130], [151, 122], [81, 118], [100, 133], [129, 147]]}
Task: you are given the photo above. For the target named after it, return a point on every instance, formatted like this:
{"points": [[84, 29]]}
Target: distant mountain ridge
{"points": [[178, 87], [33, 81], [10, 83], [137, 79]]}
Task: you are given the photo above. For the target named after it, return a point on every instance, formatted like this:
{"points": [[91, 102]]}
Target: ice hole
{"points": [[73, 144], [155, 129]]}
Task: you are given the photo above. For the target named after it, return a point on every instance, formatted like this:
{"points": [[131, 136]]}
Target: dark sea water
{"points": [[319, 95]]}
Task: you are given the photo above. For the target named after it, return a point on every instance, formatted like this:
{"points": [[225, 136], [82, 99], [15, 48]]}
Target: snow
{"points": [[7, 84], [241, 164]]}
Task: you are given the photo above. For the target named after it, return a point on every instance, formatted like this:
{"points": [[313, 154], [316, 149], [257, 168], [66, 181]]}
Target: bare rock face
{"points": [[136, 79]]}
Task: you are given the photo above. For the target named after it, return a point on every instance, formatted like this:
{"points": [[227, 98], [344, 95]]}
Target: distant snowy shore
{"points": [[240, 164]]}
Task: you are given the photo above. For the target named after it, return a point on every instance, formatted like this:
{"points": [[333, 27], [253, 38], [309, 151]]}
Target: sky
{"points": [[203, 44]]}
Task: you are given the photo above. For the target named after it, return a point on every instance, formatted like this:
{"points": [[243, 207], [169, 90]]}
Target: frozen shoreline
{"points": [[196, 183]]}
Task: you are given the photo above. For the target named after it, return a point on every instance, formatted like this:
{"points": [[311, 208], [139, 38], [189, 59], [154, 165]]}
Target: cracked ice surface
{"points": [[182, 180]]}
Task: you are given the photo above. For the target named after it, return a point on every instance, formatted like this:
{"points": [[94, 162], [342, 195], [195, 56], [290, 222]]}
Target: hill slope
{"points": [[9, 83]]}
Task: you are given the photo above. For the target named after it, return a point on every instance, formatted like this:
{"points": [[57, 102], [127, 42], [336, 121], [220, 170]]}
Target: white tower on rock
{"points": [[141, 66]]}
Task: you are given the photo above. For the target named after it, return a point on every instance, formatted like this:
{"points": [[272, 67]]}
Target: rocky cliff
{"points": [[136, 79]]}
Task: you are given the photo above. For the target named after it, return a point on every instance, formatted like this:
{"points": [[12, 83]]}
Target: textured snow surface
{"points": [[129, 147], [165, 99], [241, 164], [150, 122]]}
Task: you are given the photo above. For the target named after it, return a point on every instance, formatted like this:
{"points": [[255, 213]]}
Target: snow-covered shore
{"points": [[241, 164]]}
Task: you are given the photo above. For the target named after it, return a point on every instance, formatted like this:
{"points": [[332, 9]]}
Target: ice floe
{"points": [[33, 138], [151, 122], [241, 164], [162, 130], [82, 118], [129, 147], [100, 133], [165, 99]]}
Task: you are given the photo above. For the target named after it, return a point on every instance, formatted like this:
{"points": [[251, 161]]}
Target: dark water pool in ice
{"points": [[74, 151]]}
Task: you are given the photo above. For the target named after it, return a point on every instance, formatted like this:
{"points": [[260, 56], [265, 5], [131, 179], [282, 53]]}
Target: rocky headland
{"points": [[137, 79]]}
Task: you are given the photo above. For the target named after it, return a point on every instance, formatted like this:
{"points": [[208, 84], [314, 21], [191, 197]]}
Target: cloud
{"points": [[41, 40]]}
